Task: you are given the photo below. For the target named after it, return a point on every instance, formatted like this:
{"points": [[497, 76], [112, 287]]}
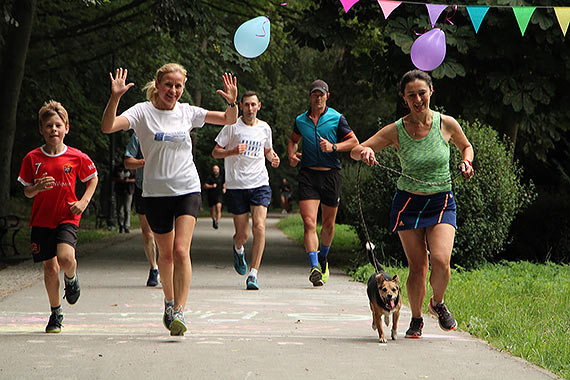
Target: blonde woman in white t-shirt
{"points": [[171, 184], [245, 146]]}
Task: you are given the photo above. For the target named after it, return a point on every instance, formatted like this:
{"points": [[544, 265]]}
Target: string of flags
{"points": [[476, 12]]}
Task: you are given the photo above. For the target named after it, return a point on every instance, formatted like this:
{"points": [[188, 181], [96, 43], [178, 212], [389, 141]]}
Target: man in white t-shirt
{"points": [[244, 146]]}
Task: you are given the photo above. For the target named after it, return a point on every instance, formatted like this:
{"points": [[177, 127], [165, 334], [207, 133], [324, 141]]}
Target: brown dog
{"points": [[384, 295]]}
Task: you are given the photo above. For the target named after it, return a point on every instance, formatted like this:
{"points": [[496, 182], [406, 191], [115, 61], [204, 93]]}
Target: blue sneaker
{"points": [[168, 316], [177, 326], [239, 262], [251, 283]]}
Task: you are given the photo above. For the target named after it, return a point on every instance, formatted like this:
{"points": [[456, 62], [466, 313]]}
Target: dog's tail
{"points": [[372, 257]]}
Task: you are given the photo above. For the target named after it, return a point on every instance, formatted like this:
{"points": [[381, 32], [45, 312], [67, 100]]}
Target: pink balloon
{"points": [[428, 51]]}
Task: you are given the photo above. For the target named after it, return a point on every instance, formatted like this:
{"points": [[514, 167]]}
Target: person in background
{"points": [[134, 160], [215, 188]]}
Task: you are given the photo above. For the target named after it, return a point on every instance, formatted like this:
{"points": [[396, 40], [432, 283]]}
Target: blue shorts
{"points": [[410, 211], [239, 201]]}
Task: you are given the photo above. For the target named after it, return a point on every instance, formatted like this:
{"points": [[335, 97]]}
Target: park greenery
{"points": [[500, 83], [519, 307]]}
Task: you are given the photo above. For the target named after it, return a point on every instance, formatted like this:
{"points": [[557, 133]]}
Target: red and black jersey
{"points": [[51, 207]]}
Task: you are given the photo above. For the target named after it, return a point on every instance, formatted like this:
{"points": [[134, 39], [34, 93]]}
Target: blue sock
{"points": [[324, 252], [313, 258]]}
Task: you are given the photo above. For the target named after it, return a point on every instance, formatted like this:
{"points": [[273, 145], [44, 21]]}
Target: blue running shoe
{"points": [[239, 262], [177, 326], [251, 283], [168, 316]]}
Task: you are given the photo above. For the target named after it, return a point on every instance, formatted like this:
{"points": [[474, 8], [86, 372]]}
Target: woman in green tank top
{"points": [[423, 214]]}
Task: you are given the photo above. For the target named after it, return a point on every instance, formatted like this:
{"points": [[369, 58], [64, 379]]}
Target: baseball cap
{"points": [[319, 85]]}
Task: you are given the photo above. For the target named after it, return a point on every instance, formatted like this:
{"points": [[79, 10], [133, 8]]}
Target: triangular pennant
{"points": [[477, 14], [434, 11], [523, 15], [347, 4], [563, 16], [388, 6]]}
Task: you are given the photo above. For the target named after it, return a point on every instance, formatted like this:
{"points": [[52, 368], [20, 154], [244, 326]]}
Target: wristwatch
{"points": [[334, 147]]}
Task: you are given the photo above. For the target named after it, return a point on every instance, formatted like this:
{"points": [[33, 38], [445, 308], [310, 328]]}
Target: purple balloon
{"points": [[428, 51]]}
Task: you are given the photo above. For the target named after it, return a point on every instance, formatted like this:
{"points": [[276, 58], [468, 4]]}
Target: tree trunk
{"points": [[13, 67]]}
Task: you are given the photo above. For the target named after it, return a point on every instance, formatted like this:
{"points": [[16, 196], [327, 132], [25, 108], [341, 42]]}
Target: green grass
{"points": [[518, 307]]}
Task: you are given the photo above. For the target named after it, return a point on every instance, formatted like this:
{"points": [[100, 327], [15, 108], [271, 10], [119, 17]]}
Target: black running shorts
{"points": [[45, 240], [161, 212], [318, 184]]}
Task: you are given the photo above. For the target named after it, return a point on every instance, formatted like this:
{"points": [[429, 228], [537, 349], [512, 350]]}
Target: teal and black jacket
{"points": [[331, 126]]}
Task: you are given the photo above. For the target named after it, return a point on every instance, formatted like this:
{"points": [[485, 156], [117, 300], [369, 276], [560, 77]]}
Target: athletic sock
{"points": [[323, 253], [313, 258], [69, 280], [57, 310], [240, 251], [253, 272], [168, 303]]}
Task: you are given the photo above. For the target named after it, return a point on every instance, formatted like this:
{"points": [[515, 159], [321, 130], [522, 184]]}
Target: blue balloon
{"points": [[252, 37]]}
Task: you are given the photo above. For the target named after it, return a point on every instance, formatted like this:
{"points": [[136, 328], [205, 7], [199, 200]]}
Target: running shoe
{"points": [[152, 278], [444, 317], [323, 263], [177, 326], [214, 224], [168, 316], [239, 262], [415, 330], [54, 323], [316, 277], [72, 291], [251, 283]]}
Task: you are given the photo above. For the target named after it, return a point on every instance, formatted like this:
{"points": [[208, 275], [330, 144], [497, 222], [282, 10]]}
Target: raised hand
{"points": [[230, 91], [119, 83]]}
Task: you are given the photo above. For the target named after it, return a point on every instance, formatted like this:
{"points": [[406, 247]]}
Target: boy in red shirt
{"points": [[48, 174]]}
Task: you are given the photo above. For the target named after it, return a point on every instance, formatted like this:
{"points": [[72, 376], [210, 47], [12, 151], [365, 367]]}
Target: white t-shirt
{"points": [[164, 137], [246, 171]]}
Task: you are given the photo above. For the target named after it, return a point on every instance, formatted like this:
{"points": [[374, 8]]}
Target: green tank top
{"points": [[426, 159]]}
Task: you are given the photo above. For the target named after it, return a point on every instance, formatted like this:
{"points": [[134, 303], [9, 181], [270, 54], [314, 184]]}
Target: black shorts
{"points": [[45, 240], [140, 205], [214, 197], [318, 184], [161, 212]]}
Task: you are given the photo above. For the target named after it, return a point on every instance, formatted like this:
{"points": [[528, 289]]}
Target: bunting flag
{"points": [[347, 4], [434, 11], [523, 15], [388, 6], [563, 16], [477, 14]]}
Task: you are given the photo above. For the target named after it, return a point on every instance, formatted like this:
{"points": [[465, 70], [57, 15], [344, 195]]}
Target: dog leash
{"points": [[370, 248]]}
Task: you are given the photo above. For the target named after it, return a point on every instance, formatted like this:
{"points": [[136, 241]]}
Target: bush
{"points": [[542, 232], [486, 205]]}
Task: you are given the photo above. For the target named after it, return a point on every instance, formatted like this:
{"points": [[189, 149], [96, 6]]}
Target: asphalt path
{"points": [[286, 330]]}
